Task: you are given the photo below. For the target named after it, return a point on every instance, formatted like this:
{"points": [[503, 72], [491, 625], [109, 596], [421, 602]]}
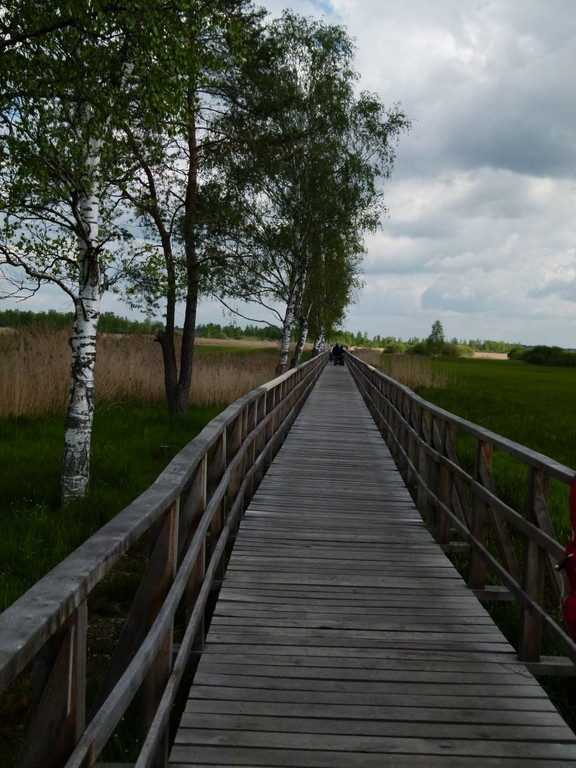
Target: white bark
{"points": [[286, 331], [302, 334], [319, 343], [80, 411]]}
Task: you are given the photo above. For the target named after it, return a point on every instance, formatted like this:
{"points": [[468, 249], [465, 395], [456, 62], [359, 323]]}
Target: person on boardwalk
{"points": [[338, 354]]}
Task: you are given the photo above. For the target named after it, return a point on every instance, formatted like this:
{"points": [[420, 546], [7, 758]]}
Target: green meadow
{"points": [[530, 404]]}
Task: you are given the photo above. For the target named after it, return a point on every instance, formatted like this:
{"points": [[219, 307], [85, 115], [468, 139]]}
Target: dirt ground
{"points": [[492, 355], [245, 343], [236, 342]]}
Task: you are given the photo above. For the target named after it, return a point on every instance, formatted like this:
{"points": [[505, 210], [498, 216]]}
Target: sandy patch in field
{"points": [[492, 355], [245, 343], [236, 342]]}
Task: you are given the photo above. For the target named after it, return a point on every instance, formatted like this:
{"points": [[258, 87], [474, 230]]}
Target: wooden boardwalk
{"points": [[343, 636]]}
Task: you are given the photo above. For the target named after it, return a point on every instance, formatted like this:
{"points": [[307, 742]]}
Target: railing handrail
{"points": [[537, 460], [452, 500], [190, 510], [79, 572]]}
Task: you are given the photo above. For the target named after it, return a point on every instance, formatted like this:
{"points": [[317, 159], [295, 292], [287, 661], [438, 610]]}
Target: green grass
{"points": [[531, 405], [132, 443]]}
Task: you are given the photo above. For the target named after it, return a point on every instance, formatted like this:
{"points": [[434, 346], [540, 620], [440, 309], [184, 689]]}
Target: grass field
{"points": [[35, 366], [531, 405], [133, 437]]}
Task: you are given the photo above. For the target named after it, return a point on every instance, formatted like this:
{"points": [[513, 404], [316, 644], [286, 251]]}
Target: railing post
{"points": [[59, 687], [381, 404], [413, 431], [233, 445], [285, 405], [216, 469], [251, 422], [530, 635], [401, 433], [441, 439], [270, 429], [479, 523], [193, 511], [156, 679], [426, 469], [259, 441]]}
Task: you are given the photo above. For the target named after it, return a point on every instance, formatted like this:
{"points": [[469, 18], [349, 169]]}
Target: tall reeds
{"points": [[412, 371], [35, 365]]}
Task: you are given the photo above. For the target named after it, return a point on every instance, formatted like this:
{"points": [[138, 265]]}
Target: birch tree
{"points": [[333, 282], [70, 72], [320, 170]]}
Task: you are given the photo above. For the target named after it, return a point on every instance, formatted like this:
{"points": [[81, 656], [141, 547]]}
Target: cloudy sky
{"points": [[481, 225], [481, 228]]}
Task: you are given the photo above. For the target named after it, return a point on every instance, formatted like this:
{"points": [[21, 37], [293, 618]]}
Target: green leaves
{"points": [[309, 171]]}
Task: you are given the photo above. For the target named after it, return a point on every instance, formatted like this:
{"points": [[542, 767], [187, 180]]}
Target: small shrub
{"points": [[418, 350], [431, 348]]}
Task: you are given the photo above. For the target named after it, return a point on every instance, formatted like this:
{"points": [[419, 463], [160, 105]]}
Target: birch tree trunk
{"points": [[319, 342], [302, 335], [80, 411], [286, 331]]}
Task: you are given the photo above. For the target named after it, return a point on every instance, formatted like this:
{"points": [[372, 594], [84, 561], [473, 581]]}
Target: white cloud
{"points": [[481, 205]]}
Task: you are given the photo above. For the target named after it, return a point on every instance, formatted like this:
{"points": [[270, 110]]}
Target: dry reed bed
{"points": [[412, 371], [35, 367]]}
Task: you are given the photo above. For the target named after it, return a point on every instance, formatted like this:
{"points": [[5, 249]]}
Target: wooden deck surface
{"points": [[343, 636]]}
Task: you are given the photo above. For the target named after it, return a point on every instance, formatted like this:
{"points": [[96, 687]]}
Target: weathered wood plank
{"points": [[366, 699], [344, 637], [397, 728], [385, 745], [350, 713], [300, 667], [208, 757], [378, 689]]}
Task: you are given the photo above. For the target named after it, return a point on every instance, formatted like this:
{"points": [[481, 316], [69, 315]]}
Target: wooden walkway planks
{"points": [[343, 637]]}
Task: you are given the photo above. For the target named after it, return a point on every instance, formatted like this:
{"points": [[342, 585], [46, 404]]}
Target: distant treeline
{"points": [[395, 345], [108, 322], [111, 323], [254, 332]]}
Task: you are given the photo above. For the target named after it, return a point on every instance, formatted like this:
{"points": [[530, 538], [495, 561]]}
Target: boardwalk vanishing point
{"points": [[343, 637]]}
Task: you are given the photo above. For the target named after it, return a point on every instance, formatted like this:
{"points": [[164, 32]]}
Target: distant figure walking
{"points": [[338, 354]]}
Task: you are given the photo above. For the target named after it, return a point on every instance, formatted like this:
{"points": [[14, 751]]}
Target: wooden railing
{"points": [[451, 465], [183, 523]]}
